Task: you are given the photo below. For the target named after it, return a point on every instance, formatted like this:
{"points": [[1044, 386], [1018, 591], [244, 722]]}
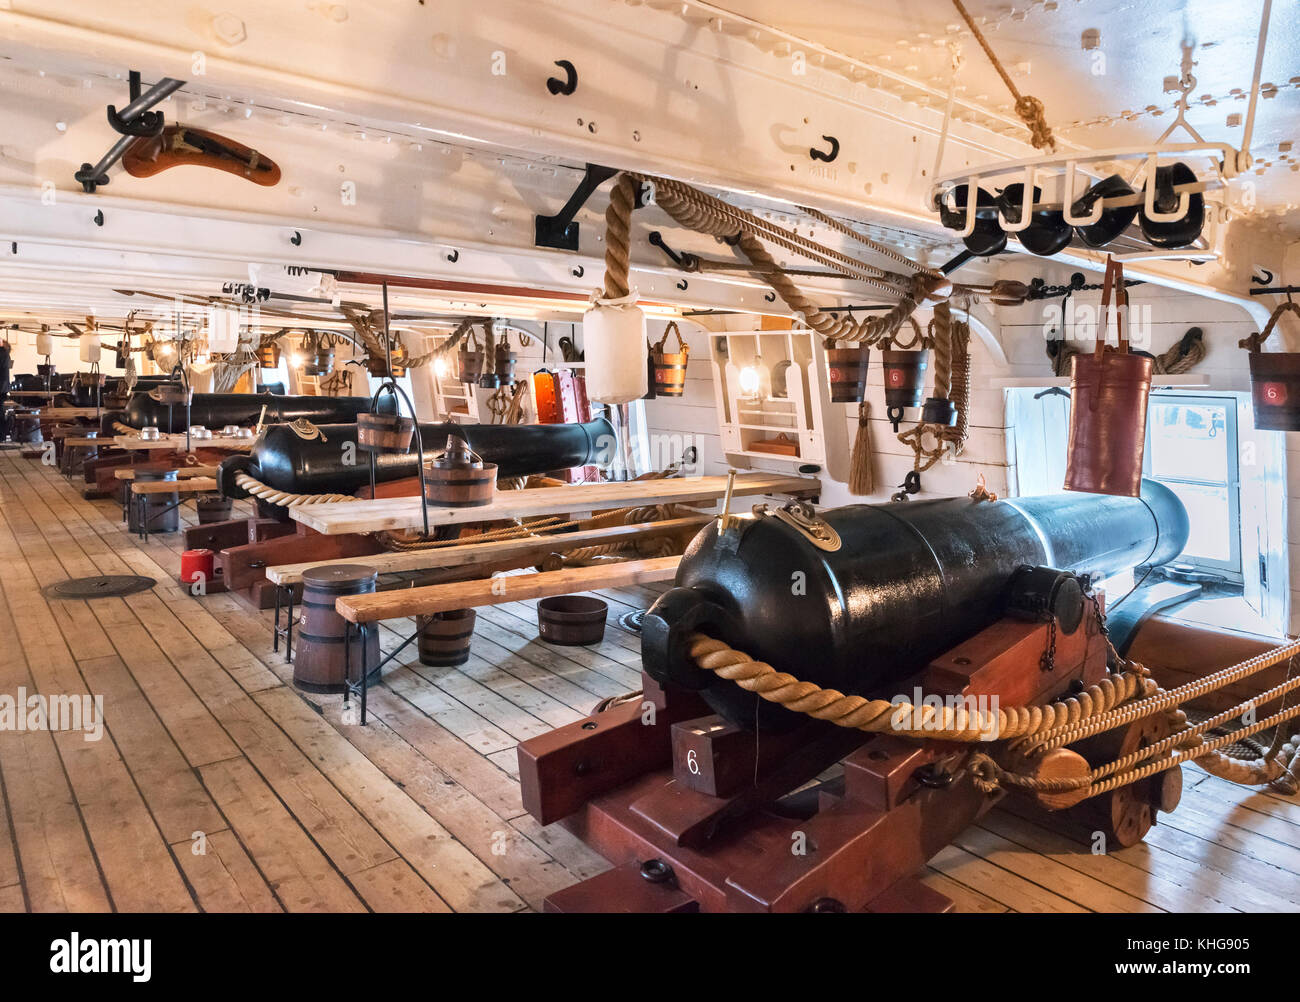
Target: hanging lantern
{"points": [[848, 372], [1108, 408], [614, 337], [45, 344], [1274, 378]]}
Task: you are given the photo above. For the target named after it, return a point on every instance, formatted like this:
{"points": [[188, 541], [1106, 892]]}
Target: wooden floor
{"points": [[217, 786]]}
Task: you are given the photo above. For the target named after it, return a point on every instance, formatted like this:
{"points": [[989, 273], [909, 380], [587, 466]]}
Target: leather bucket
{"points": [[1108, 411]]}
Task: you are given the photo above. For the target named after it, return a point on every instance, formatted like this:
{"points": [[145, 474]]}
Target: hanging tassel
{"points": [[860, 480]]}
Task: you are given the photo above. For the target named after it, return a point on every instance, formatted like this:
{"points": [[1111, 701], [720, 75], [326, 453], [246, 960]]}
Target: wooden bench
{"points": [[182, 472], [364, 611], [377, 606], [522, 550]]}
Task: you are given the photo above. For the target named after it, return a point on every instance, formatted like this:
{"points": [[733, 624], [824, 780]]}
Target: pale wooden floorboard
{"points": [[233, 791]]}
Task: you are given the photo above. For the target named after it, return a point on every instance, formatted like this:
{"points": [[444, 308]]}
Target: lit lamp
{"points": [[440, 367]]}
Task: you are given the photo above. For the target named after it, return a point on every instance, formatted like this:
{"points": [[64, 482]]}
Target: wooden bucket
{"points": [[905, 376], [161, 512], [321, 364], [268, 355], [505, 365], [73, 459], [213, 508], [571, 620], [318, 651], [462, 487], [384, 432], [848, 373], [445, 637], [471, 365], [1108, 410], [669, 368], [1274, 378]]}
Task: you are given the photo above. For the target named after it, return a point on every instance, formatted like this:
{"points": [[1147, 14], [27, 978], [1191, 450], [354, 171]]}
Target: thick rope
{"points": [[285, 499], [883, 717], [1030, 109], [618, 237]]}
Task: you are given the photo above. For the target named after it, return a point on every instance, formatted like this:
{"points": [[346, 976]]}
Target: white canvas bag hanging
{"points": [[614, 346]]}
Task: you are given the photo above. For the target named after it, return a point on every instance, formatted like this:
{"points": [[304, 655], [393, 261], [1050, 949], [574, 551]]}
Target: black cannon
{"points": [[216, 410], [331, 463], [906, 582]]}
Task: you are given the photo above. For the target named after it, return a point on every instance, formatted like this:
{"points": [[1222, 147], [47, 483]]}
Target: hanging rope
{"points": [[618, 237], [950, 340], [1029, 108]]}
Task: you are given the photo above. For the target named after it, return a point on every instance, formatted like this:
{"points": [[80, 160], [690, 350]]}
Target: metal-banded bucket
{"points": [[320, 658], [571, 620], [905, 376], [458, 477], [847, 369], [384, 432], [669, 368], [213, 508], [161, 512], [445, 637], [1274, 378], [471, 365]]}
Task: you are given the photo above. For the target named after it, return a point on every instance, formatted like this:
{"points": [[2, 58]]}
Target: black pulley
{"points": [[1047, 233], [987, 238], [1182, 231], [1113, 221], [1039, 594]]}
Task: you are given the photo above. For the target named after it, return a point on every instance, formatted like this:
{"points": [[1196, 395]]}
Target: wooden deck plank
{"points": [[223, 877]]}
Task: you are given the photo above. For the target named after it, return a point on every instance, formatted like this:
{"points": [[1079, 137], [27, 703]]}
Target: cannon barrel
{"points": [[332, 463], [215, 410], [909, 581]]}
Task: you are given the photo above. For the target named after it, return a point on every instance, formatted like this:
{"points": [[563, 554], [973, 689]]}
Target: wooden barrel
{"points": [[27, 428], [384, 432], [848, 373], [461, 487], [571, 620], [445, 637], [213, 508], [318, 649], [268, 355], [161, 512]]}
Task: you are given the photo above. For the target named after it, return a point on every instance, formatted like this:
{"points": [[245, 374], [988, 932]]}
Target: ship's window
{"points": [[1192, 449]]}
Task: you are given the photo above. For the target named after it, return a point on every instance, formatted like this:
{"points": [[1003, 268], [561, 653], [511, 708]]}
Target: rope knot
{"points": [[1033, 113]]}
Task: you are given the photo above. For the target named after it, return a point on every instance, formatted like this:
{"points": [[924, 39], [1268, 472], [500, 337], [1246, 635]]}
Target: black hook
{"points": [[99, 218], [912, 482], [770, 297], [687, 262], [296, 239], [895, 415], [682, 285], [567, 86], [13, 246], [579, 271], [1053, 391], [817, 154], [454, 256], [1262, 281]]}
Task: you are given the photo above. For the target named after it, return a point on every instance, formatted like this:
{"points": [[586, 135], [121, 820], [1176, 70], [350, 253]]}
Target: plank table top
{"points": [[339, 517]]}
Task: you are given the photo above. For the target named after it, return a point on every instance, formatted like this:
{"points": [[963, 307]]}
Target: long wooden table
{"points": [[381, 605], [176, 443], [341, 517], [471, 554]]}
